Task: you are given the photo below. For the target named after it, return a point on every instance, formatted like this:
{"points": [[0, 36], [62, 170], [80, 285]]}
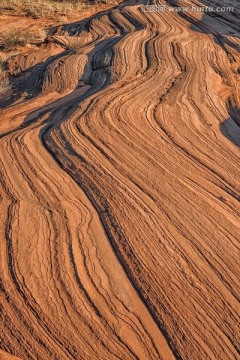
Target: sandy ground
{"points": [[119, 186]]}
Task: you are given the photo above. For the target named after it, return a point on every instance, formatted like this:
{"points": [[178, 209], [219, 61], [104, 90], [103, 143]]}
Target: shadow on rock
{"points": [[230, 128], [224, 32]]}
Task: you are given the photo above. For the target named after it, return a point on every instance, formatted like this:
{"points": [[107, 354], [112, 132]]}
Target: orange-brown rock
{"points": [[119, 160]]}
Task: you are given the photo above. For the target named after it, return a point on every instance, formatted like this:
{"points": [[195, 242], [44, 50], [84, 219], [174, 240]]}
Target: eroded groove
{"points": [[120, 190]]}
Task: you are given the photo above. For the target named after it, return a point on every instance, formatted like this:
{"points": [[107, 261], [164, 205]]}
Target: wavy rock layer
{"points": [[120, 190]]}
